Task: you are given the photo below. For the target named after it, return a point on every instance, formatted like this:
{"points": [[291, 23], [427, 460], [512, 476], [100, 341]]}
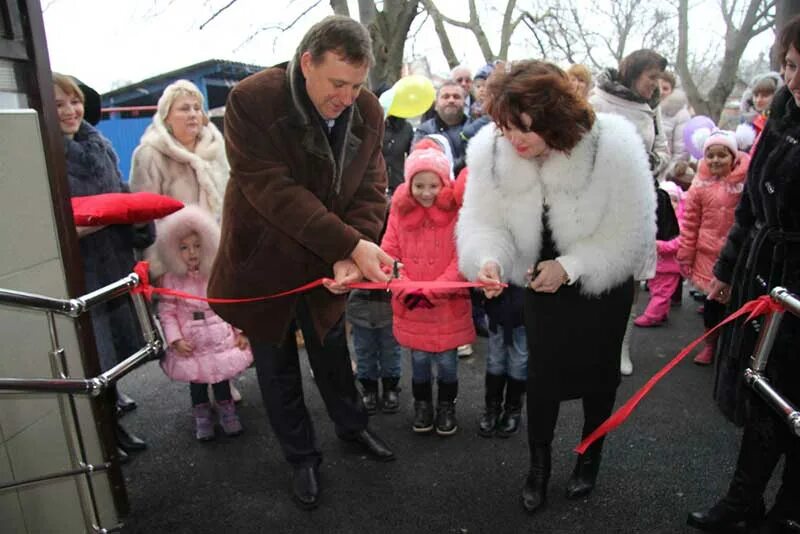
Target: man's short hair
{"points": [[344, 36], [449, 83]]}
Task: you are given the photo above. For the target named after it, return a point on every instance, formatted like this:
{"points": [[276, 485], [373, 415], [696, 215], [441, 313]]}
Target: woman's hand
{"points": [[719, 291], [241, 342], [490, 274], [550, 276], [183, 347]]}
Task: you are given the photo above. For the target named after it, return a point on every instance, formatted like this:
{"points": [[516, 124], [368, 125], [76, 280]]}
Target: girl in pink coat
{"points": [[668, 272], [432, 324], [707, 218], [202, 349]]}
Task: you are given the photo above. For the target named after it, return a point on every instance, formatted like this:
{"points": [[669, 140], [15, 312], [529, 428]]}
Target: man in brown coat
{"points": [[306, 199]]}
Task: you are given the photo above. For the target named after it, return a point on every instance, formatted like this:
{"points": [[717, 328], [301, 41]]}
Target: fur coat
{"points": [[160, 164], [601, 207], [108, 254]]}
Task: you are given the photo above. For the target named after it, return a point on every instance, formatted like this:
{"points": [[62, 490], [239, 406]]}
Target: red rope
{"points": [[760, 306], [395, 284]]}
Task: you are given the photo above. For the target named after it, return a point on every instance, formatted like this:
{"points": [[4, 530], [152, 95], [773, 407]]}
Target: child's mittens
{"points": [[416, 299]]}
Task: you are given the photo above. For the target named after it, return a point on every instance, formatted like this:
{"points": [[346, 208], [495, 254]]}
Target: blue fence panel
{"points": [[124, 135]]}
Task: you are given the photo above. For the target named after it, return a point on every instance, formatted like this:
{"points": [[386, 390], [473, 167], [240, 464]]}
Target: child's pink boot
{"points": [[203, 424], [645, 321], [228, 419]]}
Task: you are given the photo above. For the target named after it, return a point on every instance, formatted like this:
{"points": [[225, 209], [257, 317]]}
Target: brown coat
{"points": [[292, 208]]}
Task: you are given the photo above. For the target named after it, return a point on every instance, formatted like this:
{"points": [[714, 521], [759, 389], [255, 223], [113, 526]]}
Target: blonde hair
{"points": [[68, 85], [175, 90], [580, 72]]}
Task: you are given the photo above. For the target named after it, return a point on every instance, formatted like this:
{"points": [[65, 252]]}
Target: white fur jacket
{"points": [[601, 203], [162, 165]]}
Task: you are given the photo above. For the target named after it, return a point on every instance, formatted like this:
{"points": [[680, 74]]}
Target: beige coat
{"points": [[162, 165]]}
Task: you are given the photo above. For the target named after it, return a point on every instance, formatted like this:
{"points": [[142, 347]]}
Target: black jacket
{"points": [[453, 134], [396, 145]]}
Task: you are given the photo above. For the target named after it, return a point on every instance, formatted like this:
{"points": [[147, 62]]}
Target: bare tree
{"points": [[756, 16], [388, 28], [511, 19]]}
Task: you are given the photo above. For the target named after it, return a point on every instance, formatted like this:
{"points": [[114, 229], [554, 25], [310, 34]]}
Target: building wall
{"points": [[37, 436], [124, 135]]}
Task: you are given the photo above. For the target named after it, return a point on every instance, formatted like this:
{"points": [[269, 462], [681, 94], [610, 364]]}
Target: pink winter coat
{"points": [[708, 216], [215, 356], [423, 240]]}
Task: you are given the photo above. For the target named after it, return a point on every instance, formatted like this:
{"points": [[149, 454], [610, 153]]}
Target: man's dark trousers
{"points": [[280, 380]]}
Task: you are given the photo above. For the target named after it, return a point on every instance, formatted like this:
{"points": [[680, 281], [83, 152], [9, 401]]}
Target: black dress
{"points": [[574, 340]]}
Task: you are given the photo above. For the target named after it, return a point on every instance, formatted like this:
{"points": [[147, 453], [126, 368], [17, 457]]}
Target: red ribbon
{"points": [[757, 307], [395, 284]]}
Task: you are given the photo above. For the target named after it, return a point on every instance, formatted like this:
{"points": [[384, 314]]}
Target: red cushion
{"points": [[122, 208]]}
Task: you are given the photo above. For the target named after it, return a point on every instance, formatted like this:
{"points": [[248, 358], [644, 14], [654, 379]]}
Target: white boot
{"points": [[625, 364]]}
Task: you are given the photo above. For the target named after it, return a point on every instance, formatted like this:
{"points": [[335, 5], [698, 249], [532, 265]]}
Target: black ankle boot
{"points": [[370, 397], [391, 399], [494, 399], [583, 478], [423, 407], [512, 411], [446, 423], [725, 515], [534, 494]]}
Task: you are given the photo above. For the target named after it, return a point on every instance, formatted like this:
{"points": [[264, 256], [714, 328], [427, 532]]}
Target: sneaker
{"points": [[464, 351], [228, 419], [203, 424]]}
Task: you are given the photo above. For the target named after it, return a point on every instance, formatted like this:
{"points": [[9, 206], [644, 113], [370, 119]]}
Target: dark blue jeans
{"points": [[378, 354]]}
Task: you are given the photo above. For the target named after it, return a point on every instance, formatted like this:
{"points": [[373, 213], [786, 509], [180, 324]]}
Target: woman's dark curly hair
{"points": [[542, 91]]}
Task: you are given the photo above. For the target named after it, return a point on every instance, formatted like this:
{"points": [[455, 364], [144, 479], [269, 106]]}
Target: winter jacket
{"points": [[396, 145], [610, 96], [601, 207], [422, 240], [214, 357], [674, 116], [296, 202], [162, 165], [108, 254], [668, 250], [707, 218]]}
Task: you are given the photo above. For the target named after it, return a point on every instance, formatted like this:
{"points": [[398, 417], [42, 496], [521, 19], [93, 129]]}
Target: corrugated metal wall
{"points": [[124, 135]]}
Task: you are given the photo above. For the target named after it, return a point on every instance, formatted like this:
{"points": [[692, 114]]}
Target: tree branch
{"points": [[217, 12]]}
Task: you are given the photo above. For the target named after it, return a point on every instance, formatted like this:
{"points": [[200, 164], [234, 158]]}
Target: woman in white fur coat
{"points": [[560, 202], [181, 155]]}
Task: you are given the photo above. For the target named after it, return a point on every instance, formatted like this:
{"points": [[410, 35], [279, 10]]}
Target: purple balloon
{"points": [[694, 124]]}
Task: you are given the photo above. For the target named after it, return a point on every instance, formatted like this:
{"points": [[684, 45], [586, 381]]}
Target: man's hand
{"points": [[550, 275], [490, 274], [344, 272], [369, 258]]}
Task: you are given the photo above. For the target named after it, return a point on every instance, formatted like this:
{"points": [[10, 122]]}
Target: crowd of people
{"points": [[562, 193]]}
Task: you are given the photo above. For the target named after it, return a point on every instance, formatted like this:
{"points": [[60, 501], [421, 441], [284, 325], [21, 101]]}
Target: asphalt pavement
{"points": [[675, 454]]}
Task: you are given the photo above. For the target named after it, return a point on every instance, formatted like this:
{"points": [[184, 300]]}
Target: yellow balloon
{"points": [[413, 96]]}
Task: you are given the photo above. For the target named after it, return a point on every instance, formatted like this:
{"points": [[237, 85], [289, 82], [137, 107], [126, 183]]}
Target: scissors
{"points": [[395, 274]]}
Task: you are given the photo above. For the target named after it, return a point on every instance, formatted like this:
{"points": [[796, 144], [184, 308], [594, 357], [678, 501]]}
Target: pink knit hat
{"points": [[725, 138], [428, 159]]}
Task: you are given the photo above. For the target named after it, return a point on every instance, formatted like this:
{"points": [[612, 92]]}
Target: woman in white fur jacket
{"points": [[559, 201], [181, 155]]}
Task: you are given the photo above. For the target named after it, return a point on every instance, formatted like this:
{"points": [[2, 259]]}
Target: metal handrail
{"points": [[62, 383], [754, 376]]}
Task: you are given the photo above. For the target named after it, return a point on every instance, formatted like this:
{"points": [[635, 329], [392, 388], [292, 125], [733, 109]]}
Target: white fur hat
{"points": [[189, 220], [702, 138]]}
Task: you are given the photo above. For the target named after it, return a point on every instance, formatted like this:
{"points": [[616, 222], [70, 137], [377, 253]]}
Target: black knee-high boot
{"points": [[534, 494], [494, 401], [584, 476]]}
